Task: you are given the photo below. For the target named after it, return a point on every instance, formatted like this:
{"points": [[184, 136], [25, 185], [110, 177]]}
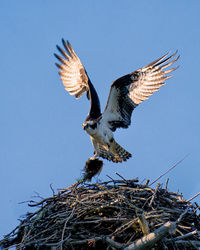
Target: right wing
{"points": [[130, 90]]}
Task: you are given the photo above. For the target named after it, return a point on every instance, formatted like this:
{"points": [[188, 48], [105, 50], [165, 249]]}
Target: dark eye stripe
{"points": [[93, 126]]}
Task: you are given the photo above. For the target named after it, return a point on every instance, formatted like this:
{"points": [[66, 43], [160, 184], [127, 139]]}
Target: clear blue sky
{"points": [[41, 136]]}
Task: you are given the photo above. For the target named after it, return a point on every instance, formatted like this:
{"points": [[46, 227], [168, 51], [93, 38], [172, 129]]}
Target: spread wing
{"points": [[130, 90], [72, 72], [75, 78]]}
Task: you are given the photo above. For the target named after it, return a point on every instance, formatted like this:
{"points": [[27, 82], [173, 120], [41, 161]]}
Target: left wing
{"points": [[75, 78], [130, 90], [72, 71]]}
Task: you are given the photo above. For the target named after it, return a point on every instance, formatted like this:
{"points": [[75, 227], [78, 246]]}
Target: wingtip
{"points": [[178, 57], [175, 68], [173, 55], [69, 46], [63, 42], [57, 56], [167, 77], [59, 49], [58, 65], [165, 59]]}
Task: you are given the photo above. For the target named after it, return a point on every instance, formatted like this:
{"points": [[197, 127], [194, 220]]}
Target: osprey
{"points": [[125, 94]]}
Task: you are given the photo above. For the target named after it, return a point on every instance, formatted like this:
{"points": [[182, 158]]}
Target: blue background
{"points": [[41, 136]]}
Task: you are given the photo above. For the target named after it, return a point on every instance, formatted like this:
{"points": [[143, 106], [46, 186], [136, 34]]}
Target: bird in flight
{"points": [[126, 93]]}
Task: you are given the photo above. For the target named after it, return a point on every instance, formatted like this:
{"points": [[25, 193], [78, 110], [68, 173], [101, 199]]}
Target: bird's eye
{"points": [[93, 126]]}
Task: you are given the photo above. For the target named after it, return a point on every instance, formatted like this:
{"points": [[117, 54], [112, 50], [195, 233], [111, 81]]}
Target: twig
{"points": [[121, 177], [75, 185], [106, 239], [116, 181], [173, 166], [113, 243], [143, 224], [124, 227], [181, 216], [166, 184], [193, 197], [189, 243], [52, 189], [111, 178], [63, 231], [153, 196], [183, 236], [41, 202]]}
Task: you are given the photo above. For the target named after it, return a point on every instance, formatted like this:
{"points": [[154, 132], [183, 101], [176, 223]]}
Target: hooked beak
{"points": [[85, 126]]}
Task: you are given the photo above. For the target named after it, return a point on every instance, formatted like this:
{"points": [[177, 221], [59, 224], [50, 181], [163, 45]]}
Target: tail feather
{"points": [[115, 153], [118, 150]]}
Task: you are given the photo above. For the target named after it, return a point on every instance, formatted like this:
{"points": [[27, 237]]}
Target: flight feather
{"points": [[75, 79], [72, 71], [130, 90]]}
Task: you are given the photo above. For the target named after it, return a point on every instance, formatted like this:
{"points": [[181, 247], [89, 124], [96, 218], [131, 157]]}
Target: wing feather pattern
{"points": [[130, 90], [72, 72], [75, 78]]}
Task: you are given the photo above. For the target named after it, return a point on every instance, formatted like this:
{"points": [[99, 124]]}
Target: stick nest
{"points": [[118, 214]]}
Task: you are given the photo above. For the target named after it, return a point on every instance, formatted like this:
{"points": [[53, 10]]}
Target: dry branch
{"points": [[149, 240]]}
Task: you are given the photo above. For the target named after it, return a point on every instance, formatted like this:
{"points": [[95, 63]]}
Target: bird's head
{"points": [[90, 126]]}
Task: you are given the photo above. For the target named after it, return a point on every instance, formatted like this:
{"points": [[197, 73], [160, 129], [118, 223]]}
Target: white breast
{"points": [[103, 133]]}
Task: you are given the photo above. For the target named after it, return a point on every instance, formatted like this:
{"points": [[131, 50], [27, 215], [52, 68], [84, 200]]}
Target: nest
{"points": [[118, 214]]}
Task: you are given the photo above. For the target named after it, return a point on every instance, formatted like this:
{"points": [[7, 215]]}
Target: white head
{"points": [[90, 127]]}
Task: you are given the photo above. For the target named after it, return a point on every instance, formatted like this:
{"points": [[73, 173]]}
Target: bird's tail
{"points": [[113, 153], [120, 154]]}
